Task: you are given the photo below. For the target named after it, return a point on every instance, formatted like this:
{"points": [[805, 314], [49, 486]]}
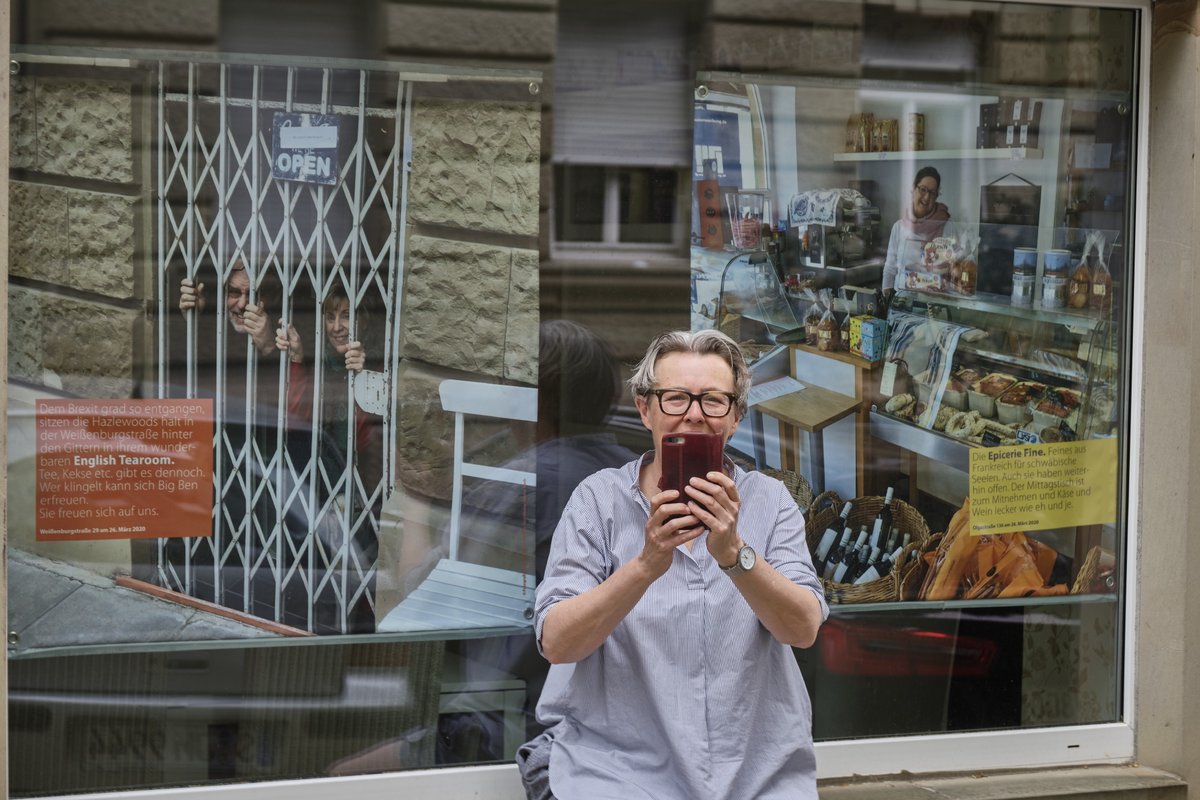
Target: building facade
{"points": [[494, 169]]}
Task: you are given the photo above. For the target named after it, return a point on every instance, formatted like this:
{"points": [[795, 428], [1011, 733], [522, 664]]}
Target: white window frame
{"points": [[952, 752]]}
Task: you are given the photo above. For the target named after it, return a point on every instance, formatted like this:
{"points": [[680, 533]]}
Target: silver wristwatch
{"points": [[745, 562]]}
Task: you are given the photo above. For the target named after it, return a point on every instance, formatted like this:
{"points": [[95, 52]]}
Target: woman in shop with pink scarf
{"points": [[925, 219]]}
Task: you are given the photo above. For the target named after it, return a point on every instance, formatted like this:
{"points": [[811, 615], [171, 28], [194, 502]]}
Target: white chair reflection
{"points": [[460, 598]]}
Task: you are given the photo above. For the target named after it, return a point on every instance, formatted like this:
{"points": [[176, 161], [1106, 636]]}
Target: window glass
{"points": [[582, 203], [944, 241], [308, 354], [617, 205], [648, 205], [252, 462]]}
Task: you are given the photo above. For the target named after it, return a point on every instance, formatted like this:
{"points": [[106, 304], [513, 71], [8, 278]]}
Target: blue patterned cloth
{"points": [[819, 206]]}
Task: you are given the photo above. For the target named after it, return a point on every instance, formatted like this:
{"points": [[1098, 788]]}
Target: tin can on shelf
{"points": [[1057, 261], [1024, 275], [1022, 287], [1054, 290]]}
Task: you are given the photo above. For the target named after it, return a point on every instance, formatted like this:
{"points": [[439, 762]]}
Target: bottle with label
{"points": [[863, 566], [845, 567], [836, 555], [851, 558], [880, 569], [884, 517], [876, 539], [830, 536], [892, 538]]}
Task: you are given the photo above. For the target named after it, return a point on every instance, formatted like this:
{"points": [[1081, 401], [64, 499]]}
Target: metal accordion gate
{"points": [[304, 449]]}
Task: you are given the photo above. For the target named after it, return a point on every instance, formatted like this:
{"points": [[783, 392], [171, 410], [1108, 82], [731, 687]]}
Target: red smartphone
{"points": [[686, 456]]}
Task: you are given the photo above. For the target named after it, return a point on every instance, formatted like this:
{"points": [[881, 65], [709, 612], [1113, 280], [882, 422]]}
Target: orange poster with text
{"points": [[124, 469]]}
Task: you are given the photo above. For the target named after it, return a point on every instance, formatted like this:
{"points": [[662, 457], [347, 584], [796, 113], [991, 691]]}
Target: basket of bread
{"points": [[964, 566]]}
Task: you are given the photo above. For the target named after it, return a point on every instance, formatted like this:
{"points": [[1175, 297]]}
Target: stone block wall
{"points": [[478, 205], [470, 304], [145, 23], [775, 36], [1036, 46], [77, 211]]}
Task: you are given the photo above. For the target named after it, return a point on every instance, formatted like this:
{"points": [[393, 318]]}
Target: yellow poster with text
{"points": [[1033, 487]]}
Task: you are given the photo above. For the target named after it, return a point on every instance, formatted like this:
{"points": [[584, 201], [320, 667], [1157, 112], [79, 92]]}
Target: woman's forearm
{"points": [[576, 627]]}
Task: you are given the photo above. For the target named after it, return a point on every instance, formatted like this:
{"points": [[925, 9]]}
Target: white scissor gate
{"points": [[296, 502]]}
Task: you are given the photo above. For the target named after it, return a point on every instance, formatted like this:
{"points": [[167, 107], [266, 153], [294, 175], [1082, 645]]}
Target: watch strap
{"points": [[736, 567]]}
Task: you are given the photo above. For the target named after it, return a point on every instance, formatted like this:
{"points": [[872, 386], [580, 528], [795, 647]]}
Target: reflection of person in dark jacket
{"points": [[342, 355], [578, 384]]}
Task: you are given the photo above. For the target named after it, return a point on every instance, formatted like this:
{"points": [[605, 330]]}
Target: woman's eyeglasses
{"points": [[676, 402], [932, 194]]}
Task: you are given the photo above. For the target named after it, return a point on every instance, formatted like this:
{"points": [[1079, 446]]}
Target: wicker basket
{"points": [[1098, 559], [905, 518], [914, 578], [797, 486], [828, 499]]}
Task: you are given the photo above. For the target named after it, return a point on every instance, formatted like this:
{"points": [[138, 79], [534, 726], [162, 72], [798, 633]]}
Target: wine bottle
{"points": [[839, 574], [885, 513], [880, 569], [877, 533], [893, 535], [863, 566], [851, 558], [837, 555], [830, 536]]}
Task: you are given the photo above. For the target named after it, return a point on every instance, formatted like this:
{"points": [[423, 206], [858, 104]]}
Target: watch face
{"points": [[746, 558]]}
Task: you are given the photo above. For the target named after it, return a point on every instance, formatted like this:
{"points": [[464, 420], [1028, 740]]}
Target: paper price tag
{"points": [[1027, 437], [887, 381]]}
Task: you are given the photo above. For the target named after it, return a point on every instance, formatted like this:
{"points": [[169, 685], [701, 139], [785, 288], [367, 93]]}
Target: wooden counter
{"points": [[811, 409], [839, 386]]}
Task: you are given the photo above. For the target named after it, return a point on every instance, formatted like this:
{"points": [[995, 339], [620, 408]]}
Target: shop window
{"points": [[976, 371], [945, 245], [237, 501]]}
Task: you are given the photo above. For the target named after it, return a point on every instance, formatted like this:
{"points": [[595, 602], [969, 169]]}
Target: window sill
{"points": [[1115, 782]]}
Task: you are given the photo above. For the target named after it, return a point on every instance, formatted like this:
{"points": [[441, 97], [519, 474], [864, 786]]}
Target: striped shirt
{"points": [[690, 696]]}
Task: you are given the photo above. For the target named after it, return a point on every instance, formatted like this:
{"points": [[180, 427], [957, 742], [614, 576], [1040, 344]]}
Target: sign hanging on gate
{"points": [[304, 148]]}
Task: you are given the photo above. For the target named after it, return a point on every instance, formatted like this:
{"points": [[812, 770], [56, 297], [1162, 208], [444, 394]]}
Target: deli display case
{"points": [[967, 518], [963, 372]]}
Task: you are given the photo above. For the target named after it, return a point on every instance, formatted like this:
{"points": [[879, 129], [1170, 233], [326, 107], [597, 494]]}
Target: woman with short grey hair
{"points": [[670, 619], [699, 342]]}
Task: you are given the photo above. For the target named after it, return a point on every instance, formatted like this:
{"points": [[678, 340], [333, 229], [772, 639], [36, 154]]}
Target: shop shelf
{"points": [[987, 154]]}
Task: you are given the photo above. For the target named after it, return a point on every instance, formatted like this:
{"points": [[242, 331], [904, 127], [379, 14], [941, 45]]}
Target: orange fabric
{"points": [[995, 565]]}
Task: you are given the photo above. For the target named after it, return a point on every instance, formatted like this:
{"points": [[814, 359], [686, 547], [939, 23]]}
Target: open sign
{"points": [[304, 148]]}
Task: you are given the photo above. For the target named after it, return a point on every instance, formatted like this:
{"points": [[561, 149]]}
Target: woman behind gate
{"points": [[340, 417]]}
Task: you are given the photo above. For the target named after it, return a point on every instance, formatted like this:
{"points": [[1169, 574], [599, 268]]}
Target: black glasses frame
{"points": [[694, 398]]}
